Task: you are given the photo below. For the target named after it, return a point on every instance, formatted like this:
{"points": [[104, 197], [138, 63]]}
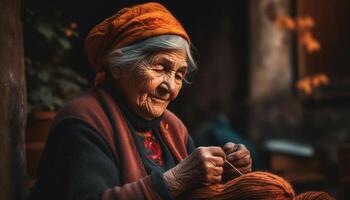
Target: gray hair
{"points": [[129, 56]]}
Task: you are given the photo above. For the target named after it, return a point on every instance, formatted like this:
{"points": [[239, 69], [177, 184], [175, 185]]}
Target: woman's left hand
{"points": [[239, 156]]}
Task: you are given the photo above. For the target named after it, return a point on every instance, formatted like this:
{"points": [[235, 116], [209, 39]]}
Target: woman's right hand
{"points": [[204, 166]]}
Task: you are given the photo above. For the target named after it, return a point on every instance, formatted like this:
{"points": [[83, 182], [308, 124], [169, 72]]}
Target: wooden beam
{"points": [[12, 102]]}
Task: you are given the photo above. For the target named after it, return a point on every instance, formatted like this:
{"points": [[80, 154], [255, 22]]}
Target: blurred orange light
{"points": [[68, 32], [73, 25], [308, 84]]}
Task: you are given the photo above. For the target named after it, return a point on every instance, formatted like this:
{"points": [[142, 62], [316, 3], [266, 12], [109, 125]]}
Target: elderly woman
{"points": [[118, 140]]}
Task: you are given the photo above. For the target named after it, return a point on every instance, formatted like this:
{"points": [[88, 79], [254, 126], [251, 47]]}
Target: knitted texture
{"points": [[252, 186], [314, 196]]}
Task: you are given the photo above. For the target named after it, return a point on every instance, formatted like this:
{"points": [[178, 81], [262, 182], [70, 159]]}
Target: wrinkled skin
{"points": [[239, 156], [204, 166], [151, 85], [148, 88]]}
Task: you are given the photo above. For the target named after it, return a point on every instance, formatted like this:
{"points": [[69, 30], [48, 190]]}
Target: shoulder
{"points": [[83, 105], [84, 118], [86, 108], [175, 133], [176, 127], [172, 120]]}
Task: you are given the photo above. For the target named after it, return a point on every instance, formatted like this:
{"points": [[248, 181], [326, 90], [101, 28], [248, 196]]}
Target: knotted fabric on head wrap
{"points": [[127, 27]]}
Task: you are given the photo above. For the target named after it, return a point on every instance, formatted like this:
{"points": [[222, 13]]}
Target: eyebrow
{"points": [[170, 63], [183, 68]]}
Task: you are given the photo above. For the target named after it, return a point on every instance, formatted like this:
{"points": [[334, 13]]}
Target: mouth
{"points": [[159, 99]]}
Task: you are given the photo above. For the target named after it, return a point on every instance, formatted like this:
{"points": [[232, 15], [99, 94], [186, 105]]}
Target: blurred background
{"points": [[273, 75]]}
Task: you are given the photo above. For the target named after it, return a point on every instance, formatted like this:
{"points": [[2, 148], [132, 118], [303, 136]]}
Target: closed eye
{"points": [[179, 76], [158, 68], [181, 73]]}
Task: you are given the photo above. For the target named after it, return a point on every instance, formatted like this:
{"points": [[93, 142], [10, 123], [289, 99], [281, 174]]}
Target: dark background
{"points": [[233, 39]]}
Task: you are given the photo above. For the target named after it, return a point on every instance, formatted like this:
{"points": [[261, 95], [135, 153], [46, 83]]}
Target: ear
{"points": [[116, 72]]}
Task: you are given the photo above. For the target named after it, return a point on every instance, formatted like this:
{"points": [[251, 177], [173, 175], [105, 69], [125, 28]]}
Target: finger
{"points": [[217, 161], [215, 179], [234, 149], [246, 169], [229, 147], [212, 175], [243, 152], [217, 151], [217, 171], [242, 162]]}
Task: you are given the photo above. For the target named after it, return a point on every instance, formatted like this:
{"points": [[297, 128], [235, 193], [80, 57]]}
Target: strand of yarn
{"points": [[253, 186], [314, 196]]}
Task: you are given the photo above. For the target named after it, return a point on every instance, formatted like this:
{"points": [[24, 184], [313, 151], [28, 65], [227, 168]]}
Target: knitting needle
{"points": [[237, 147], [241, 174]]}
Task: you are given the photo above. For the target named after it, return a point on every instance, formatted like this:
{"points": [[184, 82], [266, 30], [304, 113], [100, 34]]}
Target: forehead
{"points": [[174, 56]]}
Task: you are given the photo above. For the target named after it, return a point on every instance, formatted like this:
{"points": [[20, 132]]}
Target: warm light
{"points": [[73, 25], [308, 40], [68, 32], [309, 84], [285, 22], [303, 26], [304, 23]]}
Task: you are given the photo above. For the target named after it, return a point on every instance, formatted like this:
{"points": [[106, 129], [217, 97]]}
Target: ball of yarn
{"points": [[252, 186], [314, 196]]}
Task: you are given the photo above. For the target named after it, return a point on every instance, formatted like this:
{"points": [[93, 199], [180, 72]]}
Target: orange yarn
{"points": [[129, 26], [252, 186], [314, 196]]}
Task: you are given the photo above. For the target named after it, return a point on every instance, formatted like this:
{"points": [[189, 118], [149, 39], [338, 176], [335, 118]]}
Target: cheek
{"points": [[142, 85], [175, 92], [148, 83], [178, 89]]}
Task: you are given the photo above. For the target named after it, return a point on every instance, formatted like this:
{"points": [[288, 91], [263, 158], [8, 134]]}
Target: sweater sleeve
{"points": [[78, 164]]}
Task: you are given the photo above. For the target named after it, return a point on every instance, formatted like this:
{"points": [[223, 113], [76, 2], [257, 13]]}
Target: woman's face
{"points": [[151, 85]]}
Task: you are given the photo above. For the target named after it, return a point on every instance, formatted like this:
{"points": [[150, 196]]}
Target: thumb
{"points": [[229, 147]]}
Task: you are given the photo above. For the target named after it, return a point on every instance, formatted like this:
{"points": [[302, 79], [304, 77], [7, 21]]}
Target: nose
{"points": [[169, 85]]}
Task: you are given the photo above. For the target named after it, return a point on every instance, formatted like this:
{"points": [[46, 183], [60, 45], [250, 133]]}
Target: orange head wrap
{"points": [[129, 26]]}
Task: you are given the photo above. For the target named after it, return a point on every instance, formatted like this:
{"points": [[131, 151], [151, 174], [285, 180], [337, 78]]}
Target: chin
{"points": [[155, 115], [152, 115]]}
